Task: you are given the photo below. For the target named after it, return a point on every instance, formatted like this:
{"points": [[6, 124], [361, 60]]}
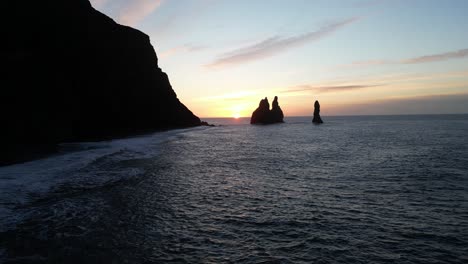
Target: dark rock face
{"points": [[276, 112], [263, 114], [73, 74], [317, 119]]}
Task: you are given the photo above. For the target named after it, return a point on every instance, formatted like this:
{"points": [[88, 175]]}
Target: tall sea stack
{"points": [[276, 112], [317, 119], [72, 74], [263, 114]]}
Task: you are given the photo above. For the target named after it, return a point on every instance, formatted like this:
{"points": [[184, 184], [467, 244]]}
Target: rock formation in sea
{"points": [[317, 119], [276, 112], [263, 114], [72, 74]]}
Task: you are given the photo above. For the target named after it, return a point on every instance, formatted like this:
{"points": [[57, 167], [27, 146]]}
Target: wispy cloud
{"points": [[136, 10], [449, 103], [181, 49], [454, 80], [458, 54], [275, 44], [438, 57], [328, 88]]}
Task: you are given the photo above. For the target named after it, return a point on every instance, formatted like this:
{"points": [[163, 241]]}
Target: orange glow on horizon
{"points": [[355, 96]]}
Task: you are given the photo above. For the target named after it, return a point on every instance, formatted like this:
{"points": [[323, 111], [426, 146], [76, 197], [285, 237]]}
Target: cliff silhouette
{"points": [[73, 74], [263, 114]]}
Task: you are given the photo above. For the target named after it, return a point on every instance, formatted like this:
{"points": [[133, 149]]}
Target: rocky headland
{"points": [[263, 114], [73, 74]]}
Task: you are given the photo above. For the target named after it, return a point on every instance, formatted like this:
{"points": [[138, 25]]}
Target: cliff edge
{"points": [[73, 74]]}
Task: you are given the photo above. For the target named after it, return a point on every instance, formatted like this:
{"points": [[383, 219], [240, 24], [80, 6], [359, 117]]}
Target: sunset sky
{"points": [[356, 57]]}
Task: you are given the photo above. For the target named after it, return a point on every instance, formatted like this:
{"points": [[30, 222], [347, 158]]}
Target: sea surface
{"points": [[364, 189]]}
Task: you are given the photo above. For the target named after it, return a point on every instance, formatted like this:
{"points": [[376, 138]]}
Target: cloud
{"points": [[329, 88], [136, 10], [428, 104], [274, 45], [415, 78], [458, 54], [438, 57], [426, 80]]}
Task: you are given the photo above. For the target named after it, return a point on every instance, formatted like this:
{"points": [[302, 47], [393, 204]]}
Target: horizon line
{"points": [[230, 117]]}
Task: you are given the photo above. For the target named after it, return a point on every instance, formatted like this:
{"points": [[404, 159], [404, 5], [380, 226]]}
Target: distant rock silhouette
{"points": [[317, 119], [204, 123], [263, 114], [73, 74]]}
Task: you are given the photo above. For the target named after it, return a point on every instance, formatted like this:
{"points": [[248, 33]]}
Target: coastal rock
{"points": [[317, 119], [263, 114], [260, 114], [73, 74], [204, 123], [276, 113]]}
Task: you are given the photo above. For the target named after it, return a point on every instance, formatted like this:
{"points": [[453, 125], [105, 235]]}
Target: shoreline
{"points": [[23, 153]]}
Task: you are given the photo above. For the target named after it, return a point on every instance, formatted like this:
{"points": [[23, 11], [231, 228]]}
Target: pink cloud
{"points": [[438, 57], [329, 88], [458, 54], [276, 44], [136, 10]]}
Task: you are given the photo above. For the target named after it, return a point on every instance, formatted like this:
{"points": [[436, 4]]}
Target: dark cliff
{"points": [[263, 114], [73, 74]]}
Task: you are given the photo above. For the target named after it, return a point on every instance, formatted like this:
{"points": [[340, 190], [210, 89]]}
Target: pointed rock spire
{"points": [[263, 114], [317, 119]]}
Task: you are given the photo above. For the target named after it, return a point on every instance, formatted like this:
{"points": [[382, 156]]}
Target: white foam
{"points": [[20, 183]]}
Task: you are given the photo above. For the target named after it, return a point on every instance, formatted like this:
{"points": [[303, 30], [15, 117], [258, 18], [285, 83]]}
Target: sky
{"points": [[357, 57]]}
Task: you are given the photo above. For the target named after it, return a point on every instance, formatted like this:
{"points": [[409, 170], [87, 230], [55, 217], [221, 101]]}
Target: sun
{"points": [[237, 111]]}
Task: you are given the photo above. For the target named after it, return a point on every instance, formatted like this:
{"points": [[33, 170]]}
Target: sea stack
{"points": [[73, 74], [263, 114], [317, 119], [276, 112]]}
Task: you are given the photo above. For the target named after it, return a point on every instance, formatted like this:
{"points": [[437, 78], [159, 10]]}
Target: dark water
{"points": [[354, 190]]}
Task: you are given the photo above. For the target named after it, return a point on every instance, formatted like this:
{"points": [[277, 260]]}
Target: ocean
{"points": [[357, 189]]}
